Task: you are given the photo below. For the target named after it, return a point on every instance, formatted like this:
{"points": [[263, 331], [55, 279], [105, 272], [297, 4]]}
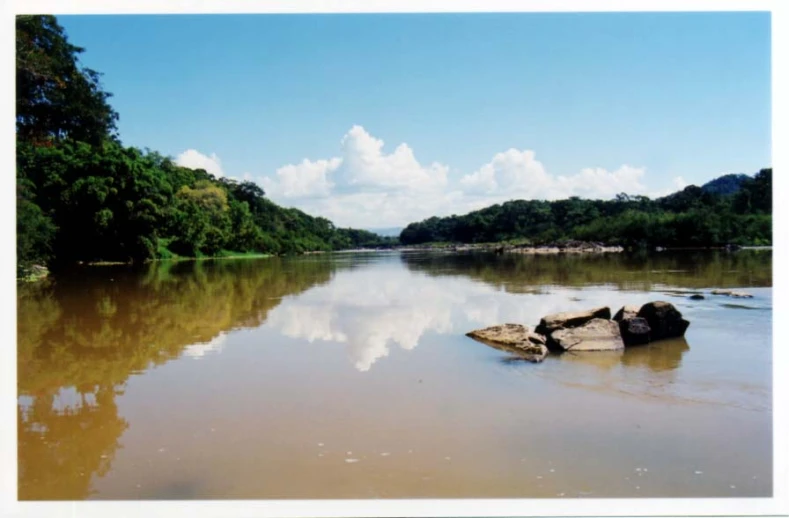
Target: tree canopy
{"points": [[692, 217]]}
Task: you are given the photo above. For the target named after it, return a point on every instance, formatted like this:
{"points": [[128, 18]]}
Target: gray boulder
{"points": [[664, 320], [597, 334], [551, 323], [513, 338]]}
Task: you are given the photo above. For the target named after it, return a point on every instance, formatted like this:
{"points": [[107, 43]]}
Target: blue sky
{"points": [[379, 120]]}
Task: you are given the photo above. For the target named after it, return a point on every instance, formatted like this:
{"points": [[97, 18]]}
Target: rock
{"points": [[551, 323], [626, 312], [697, 296], [732, 293], [513, 338], [634, 331], [507, 334], [597, 334], [664, 320]]}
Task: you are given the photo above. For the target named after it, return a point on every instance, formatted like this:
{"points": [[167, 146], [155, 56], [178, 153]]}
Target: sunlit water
{"points": [[350, 376]]}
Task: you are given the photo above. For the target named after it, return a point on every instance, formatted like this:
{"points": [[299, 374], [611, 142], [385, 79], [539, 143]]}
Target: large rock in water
{"points": [[551, 323], [626, 312], [513, 338], [595, 335], [664, 320], [635, 331]]}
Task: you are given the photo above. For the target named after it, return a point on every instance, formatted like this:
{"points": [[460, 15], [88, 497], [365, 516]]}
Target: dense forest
{"points": [[84, 196], [733, 209]]}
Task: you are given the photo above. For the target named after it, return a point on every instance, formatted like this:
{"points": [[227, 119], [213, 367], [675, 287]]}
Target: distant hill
{"points": [[726, 184], [386, 232]]}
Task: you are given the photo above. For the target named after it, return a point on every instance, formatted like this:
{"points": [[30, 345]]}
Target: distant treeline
{"points": [[734, 209], [83, 196]]}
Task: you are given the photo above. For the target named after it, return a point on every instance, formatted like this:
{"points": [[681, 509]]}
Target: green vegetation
{"points": [[83, 196], [692, 217]]}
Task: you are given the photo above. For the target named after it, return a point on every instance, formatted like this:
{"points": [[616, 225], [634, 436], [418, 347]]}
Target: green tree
{"points": [[56, 97]]}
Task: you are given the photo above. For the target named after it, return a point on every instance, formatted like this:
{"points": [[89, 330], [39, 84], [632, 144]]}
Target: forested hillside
{"points": [[84, 196], [692, 217], [726, 184]]}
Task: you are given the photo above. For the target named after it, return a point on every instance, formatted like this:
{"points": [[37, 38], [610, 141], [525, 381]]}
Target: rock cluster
{"points": [[591, 330], [733, 294]]}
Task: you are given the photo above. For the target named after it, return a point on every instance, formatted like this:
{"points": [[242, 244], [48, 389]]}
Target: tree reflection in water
{"points": [[84, 333]]}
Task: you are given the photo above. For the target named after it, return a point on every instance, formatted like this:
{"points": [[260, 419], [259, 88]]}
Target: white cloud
{"points": [[509, 172], [365, 186], [365, 167], [517, 174], [305, 180], [599, 183], [193, 159], [362, 168]]}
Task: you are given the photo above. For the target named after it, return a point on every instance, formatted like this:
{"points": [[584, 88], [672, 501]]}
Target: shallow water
{"points": [[350, 376]]}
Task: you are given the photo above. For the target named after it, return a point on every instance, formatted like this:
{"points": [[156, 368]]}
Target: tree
{"points": [[34, 229], [56, 98]]}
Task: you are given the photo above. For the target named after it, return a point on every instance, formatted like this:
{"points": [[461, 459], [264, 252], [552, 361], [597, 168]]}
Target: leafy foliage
{"points": [[691, 217], [56, 98]]}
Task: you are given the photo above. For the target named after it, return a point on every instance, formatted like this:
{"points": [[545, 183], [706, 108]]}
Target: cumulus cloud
{"points": [[510, 171], [362, 168], [517, 174], [305, 180], [365, 167], [367, 185], [193, 159]]}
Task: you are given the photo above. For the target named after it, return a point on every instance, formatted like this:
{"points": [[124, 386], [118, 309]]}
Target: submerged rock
{"points": [[733, 293], [635, 331], [597, 334], [697, 296], [551, 323], [664, 320], [513, 338], [507, 334]]}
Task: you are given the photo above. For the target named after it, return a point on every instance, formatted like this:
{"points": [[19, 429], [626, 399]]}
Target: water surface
{"points": [[349, 376]]}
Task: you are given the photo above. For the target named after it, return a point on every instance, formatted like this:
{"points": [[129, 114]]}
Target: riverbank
{"points": [[568, 247], [33, 273]]}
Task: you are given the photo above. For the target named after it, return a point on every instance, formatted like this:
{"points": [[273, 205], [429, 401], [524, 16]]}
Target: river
{"points": [[350, 376]]}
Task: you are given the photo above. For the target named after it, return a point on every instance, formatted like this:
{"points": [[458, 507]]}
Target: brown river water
{"points": [[350, 376]]}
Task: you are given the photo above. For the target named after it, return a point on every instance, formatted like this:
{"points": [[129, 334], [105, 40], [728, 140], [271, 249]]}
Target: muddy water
{"points": [[349, 376]]}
